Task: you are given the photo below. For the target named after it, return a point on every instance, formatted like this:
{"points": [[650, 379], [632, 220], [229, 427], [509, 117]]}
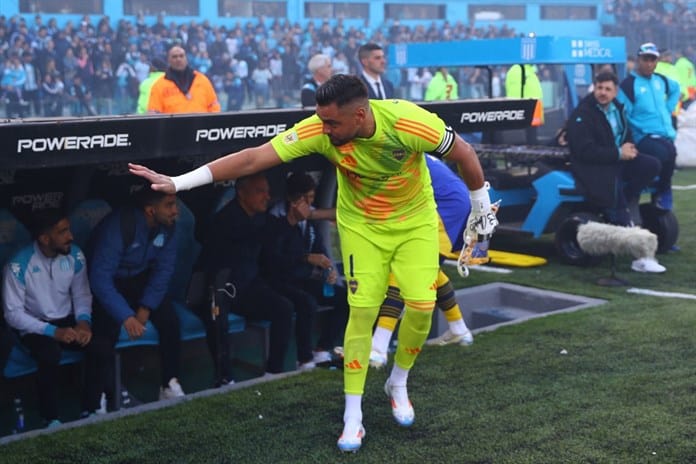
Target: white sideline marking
{"points": [[684, 187], [645, 291], [486, 268]]}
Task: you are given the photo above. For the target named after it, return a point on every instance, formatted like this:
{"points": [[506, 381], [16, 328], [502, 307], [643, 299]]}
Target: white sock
{"points": [[458, 327], [399, 376], [380, 339], [353, 410]]}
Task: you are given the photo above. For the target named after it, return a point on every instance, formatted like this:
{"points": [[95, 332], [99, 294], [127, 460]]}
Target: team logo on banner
{"points": [[528, 48], [353, 286]]}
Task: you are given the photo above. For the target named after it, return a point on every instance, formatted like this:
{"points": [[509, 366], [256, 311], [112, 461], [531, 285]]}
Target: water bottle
{"points": [[328, 289], [19, 416]]}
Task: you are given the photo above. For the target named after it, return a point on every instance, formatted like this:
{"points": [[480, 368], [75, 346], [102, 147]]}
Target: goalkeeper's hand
{"points": [[482, 220]]}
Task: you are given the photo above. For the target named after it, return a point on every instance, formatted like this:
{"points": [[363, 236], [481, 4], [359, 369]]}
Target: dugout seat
{"points": [[85, 217]]}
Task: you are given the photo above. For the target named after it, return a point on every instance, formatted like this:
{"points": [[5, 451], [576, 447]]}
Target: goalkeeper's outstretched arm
{"points": [[467, 163]]}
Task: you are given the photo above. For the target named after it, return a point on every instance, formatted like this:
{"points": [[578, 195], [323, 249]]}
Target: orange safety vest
{"points": [[166, 97]]}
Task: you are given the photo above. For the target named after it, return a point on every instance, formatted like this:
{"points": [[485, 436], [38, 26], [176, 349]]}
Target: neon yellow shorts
{"points": [[409, 249]]}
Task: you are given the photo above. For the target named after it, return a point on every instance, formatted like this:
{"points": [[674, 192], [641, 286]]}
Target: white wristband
{"points": [[480, 200], [192, 179]]}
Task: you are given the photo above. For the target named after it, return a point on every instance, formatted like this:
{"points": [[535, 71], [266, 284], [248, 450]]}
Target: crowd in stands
{"points": [[96, 67], [667, 23]]}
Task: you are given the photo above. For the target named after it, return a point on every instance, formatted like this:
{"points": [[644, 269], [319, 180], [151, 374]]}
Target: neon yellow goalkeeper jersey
{"points": [[384, 178]]}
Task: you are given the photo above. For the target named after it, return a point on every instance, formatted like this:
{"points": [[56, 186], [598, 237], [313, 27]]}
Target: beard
{"points": [[63, 250]]}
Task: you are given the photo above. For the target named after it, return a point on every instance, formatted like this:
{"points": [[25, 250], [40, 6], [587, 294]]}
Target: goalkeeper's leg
{"points": [[414, 329], [389, 314]]}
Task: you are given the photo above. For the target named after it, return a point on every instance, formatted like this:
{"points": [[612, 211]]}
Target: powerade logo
{"points": [[473, 117], [240, 132], [589, 49], [38, 200], [73, 142]]}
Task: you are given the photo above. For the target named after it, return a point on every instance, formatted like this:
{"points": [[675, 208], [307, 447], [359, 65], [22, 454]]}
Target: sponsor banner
{"points": [[507, 51], [73, 142]]}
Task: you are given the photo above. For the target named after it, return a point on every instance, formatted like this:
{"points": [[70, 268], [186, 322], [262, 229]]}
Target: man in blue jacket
{"points": [[131, 263], [649, 99]]}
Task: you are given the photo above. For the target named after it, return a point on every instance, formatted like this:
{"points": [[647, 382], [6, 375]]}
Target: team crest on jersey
{"points": [[353, 286], [290, 138], [399, 154]]}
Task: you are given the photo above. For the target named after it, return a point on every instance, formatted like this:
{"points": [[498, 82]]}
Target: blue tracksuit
{"points": [[651, 111], [151, 250]]}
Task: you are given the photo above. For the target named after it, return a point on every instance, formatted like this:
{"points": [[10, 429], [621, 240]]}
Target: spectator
{"points": [[234, 249], [418, 79], [13, 79], [442, 86], [132, 259], [648, 100], [606, 164], [373, 64], [687, 76], [46, 299], [340, 64], [126, 85], [52, 88], [320, 67], [80, 98], [275, 65], [157, 70], [261, 77], [234, 88], [182, 89], [240, 68], [32, 83], [298, 266], [104, 87], [521, 81]]}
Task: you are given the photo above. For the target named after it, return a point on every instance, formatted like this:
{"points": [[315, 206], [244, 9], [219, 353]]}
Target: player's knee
{"points": [[420, 306]]}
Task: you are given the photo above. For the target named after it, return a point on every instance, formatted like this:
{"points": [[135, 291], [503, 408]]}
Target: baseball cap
{"points": [[649, 48]]}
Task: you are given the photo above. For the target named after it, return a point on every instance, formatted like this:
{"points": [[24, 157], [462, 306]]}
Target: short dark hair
{"points": [[240, 183], [366, 49], [148, 197], [299, 184], [44, 220], [606, 76], [341, 89]]}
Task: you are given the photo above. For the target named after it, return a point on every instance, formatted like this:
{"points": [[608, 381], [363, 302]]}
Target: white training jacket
{"points": [[37, 290]]}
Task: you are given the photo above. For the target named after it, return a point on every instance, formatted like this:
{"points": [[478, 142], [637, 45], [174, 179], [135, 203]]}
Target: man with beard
{"points": [[47, 301], [385, 213], [132, 260], [182, 89]]}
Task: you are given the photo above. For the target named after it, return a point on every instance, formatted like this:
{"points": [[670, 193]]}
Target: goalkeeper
{"points": [[386, 217], [453, 208]]}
